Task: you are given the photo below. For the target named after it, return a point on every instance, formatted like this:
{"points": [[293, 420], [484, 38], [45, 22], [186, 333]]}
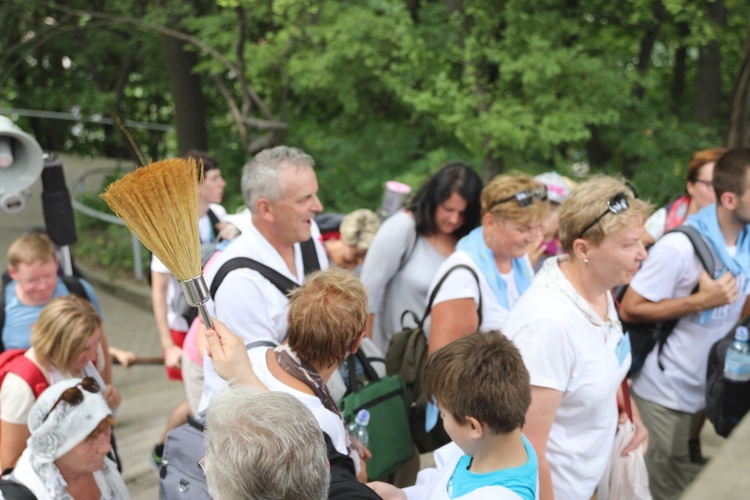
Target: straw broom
{"points": [[159, 203]]}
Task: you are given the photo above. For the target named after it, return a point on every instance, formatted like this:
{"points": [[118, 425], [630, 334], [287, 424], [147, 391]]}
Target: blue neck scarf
{"points": [[707, 223], [474, 245]]}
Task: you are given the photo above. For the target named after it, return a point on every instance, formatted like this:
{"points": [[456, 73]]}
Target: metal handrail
{"points": [[112, 219]]}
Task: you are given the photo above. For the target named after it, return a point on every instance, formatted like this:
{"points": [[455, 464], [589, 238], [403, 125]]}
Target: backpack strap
{"points": [[75, 287], [440, 283], [214, 222], [310, 261], [706, 255], [281, 282], [702, 248], [13, 361]]}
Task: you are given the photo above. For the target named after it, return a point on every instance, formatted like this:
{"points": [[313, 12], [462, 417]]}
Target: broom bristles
{"points": [[159, 203]]}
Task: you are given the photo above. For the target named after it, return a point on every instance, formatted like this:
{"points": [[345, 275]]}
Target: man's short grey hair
{"points": [[260, 177], [263, 445]]}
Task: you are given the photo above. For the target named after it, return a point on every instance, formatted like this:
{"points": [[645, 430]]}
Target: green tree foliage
{"points": [[380, 89]]}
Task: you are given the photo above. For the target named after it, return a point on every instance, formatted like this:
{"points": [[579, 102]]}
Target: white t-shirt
{"points": [[250, 305], [567, 347], [672, 270], [175, 320], [460, 284], [330, 422]]}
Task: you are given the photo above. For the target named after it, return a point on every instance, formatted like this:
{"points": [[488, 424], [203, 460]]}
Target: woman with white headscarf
{"points": [[66, 456]]}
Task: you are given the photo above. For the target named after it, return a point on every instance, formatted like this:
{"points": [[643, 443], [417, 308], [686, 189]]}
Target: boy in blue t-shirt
{"points": [[482, 391]]}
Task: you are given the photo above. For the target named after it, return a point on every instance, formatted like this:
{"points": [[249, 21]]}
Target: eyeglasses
{"points": [[524, 198], [616, 205], [73, 395], [708, 184]]}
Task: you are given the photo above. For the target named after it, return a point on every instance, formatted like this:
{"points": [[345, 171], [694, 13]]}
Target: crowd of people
{"points": [[528, 363]]}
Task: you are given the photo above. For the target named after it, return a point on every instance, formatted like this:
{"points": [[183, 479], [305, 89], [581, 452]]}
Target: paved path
{"points": [[148, 398]]}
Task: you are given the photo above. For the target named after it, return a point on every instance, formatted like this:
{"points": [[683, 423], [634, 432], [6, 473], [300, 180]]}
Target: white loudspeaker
{"points": [[21, 165]]}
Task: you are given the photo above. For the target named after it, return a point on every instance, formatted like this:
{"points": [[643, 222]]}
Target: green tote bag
{"points": [[385, 398]]}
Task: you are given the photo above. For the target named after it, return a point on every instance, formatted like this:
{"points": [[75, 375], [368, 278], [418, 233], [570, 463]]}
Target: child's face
{"points": [[459, 432]]}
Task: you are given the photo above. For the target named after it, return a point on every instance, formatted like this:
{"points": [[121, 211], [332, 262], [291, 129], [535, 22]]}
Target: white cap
{"points": [[557, 188]]}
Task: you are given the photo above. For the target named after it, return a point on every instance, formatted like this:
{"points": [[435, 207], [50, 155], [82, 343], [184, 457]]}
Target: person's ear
{"points": [[581, 249], [728, 200], [264, 209], [477, 428], [12, 272], [487, 219]]}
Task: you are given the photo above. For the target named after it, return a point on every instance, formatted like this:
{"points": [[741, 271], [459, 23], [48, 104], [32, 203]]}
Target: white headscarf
{"points": [[66, 427]]}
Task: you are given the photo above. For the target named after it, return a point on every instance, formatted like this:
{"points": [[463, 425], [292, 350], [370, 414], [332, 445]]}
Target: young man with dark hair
{"points": [[670, 388]]}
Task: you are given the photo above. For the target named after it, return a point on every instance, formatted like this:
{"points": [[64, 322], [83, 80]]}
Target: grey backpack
{"points": [[180, 476]]}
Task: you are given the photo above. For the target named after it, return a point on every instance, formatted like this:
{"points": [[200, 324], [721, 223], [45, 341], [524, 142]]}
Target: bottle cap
{"points": [[362, 418], [741, 334]]}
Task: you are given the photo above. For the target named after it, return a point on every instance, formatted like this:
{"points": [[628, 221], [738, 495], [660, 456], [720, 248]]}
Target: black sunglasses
{"points": [[524, 198], [617, 204], [73, 395]]}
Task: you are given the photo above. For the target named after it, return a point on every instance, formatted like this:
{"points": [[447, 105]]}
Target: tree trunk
{"points": [[708, 79], [413, 7], [680, 67], [189, 102], [491, 166], [647, 44], [738, 132]]}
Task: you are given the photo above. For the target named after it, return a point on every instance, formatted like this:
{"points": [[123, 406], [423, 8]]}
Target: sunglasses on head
{"points": [[617, 204], [524, 198], [73, 395]]}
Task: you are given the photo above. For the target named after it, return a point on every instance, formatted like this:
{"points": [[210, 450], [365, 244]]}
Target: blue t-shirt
{"points": [[521, 480], [19, 317]]}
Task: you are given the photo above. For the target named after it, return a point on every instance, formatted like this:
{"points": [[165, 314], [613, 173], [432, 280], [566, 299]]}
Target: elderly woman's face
{"points": [[509, 239], [89, 352], [89, 455], [618, 257]]}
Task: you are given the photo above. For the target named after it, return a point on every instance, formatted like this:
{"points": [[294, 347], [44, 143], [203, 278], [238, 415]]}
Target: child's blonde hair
{"points": [[30, 248]]}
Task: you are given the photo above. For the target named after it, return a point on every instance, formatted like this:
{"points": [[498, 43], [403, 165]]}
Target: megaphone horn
{"points": [[21, 165]]}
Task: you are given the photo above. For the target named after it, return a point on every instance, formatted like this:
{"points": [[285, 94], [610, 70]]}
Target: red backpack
{"points": [[13, 361]]}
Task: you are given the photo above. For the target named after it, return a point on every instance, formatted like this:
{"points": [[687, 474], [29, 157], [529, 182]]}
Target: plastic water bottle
{"points": [[737, 361], [358, 431]]}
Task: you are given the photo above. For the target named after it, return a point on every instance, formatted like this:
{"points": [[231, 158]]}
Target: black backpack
{"points": [[645, 336], [726, 401], [406, 357], [72, 283]]}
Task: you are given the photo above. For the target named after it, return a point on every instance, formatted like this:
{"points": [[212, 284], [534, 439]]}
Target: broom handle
{"points": [[203, 311], [142, 361]]}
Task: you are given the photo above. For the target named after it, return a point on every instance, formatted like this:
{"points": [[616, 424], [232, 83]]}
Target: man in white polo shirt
{"points": [[280, 190]]}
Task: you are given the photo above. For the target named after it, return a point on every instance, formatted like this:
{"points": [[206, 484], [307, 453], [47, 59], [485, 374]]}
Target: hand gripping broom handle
{"points": [[197, 294]]}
